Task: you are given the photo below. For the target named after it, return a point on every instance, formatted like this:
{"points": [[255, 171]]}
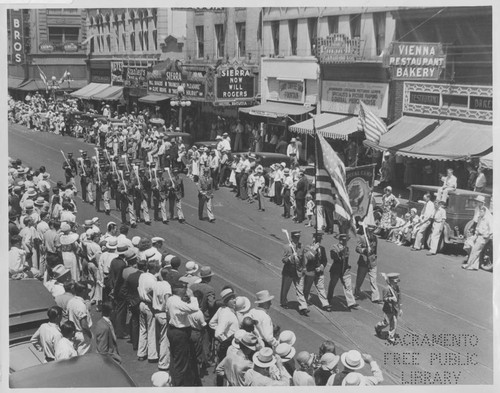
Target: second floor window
{"points": [[61, 35], [379, 30], [219, 40], [275, 31], [241, 36], [333, 25], [355, 24], [200, 41], [292, 29], [312, 26]]}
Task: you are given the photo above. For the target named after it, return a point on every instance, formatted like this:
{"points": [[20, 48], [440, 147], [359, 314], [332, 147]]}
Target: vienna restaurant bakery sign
{"points": [[415, 60]]}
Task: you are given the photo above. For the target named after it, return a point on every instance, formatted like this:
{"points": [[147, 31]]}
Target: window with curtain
{"points": [[275, 31], [292, 30], [379, 27], [241, 37], [333, 25], [312, 26], [219, 40], [355, 25], [200, 42], [60, 35]]}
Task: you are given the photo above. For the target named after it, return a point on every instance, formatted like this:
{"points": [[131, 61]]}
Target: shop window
{"points": [[154, 14], [219, 40], [275, 31], [155, 39], [108, 41], [292, 30], [241, 36], [60, 35], [200, 42], [355, 25], [145, 37], [333, 25], [455, 101], [312, 26], [132, 41], [124, 40], [379, 30]]}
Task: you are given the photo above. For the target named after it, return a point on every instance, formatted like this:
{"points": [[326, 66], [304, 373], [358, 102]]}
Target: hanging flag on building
{"points": [[63, 78], [330, 180], [372, 125]]}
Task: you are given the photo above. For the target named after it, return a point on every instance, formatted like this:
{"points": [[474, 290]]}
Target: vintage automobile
{"points": [[459, 211]]}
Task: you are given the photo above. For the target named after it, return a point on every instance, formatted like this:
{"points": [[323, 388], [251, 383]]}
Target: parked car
{"points": [[459, 211], [92, 370], [209, 144], [29, 301]]}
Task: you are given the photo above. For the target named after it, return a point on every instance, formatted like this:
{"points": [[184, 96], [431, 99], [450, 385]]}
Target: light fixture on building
{"points": [[180, 102]]}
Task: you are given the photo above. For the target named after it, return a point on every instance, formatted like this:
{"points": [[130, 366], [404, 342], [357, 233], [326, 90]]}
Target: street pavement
{"points": [[446, 331]]}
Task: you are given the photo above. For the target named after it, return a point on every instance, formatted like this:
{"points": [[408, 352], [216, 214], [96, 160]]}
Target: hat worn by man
{"points": [[342, 236], [112, 243], [304, 358], [129, 255], [250, 341], [39, 201], [121, 249], [392, 276], [60, 272], [157, 239], [293, 140], [177, 129], [328, 361], [191, 267], [238, 335], [136, 240], [88, 223], [354, 379], [295, 233], [352, 360], [263, 297], [206, 271], [285, 351], [161, 379], [288, 337], [242, 304], [31, 193], [227, 294], [264, 358], [480, 198]]}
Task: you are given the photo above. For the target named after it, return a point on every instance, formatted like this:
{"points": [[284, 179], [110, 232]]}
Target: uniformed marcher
{"points": [[165, 184], [83, 175], [392, 306], [367, 262], [70, 168], [205, 195], [178, 185], [293, 266], [315, 262], [155, 192], [91, 175], [341, 270], [126, 202]]}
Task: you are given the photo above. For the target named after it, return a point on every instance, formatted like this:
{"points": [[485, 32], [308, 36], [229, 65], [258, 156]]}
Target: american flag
{"points": [[43, 77], [330, 180], [372, 125]]}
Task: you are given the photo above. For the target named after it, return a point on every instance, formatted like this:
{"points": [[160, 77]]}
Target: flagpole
{"points": [[315, 170]]}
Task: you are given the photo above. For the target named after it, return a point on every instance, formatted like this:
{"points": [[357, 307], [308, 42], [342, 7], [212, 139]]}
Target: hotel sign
{"points": [[415, 60], [338, 48]]}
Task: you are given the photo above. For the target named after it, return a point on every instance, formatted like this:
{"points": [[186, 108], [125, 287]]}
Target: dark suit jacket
{"points": [[105, 344], [115, 275], [301, 190], [173, 276], [130, 289]]}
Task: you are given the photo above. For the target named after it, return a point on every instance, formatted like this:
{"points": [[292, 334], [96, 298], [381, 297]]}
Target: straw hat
{"points": [[264, 358], [352, 360], [242, 304]]}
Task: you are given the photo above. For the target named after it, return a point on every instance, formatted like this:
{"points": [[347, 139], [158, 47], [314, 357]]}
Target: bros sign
{"points": [[16, 18], [415, 60], [234, 82]]}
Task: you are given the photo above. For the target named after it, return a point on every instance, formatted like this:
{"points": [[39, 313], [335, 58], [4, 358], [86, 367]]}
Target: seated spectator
{"points": [[65, 347], [449, 184], [48, 334]]}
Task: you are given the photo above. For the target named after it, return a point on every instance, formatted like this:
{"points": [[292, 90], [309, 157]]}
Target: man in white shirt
{"points": [[449, 184], [105, 260], [48, 334], [482, 234], [480, 183], [260, 313], [64, 347], [437, 227], [79, 314], [161, 292], [292, 150], [147, 327], [425, 220]]}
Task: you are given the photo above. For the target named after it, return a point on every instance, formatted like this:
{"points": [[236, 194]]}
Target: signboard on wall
{"points": [[415, 60], [234, 84], [194, 81], [17, 36], [338, 48], [117, 73], [136, 76], [344, 97], [100, 75]]}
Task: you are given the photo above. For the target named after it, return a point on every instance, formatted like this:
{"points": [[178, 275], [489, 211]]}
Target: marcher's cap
{"points": [[392, 276], [286, 170], [354, 379], [205, 271], [69, 153], [121, 249], [218, 138], [352, 360], [317, 235], [88, 223], [293, 140], [161, 379], [480, 198], [238, 335], [328, 361], [285, 351], [242, 304], [129, 254], [39, 201], [191, 267], [157, 239], [388, 188], [46, 175], [387, 153], [442, 203], [60, 271], [342, 236], [227, 294], [225, 134], [371, 227], [263, 297], [264, 358], [304, 358], [288, 337], [112, 243], [295, 233]]}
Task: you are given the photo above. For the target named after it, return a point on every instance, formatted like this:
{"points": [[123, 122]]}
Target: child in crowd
{"points": [[310, 209]]}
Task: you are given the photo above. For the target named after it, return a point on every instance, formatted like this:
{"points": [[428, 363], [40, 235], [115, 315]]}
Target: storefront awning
{"points": [[75, 84], [32, 85], [487, 161], [111, 93], [89, 90], [432, 139], [13, 83], [153, 98], [276, 109], [328, 125]]}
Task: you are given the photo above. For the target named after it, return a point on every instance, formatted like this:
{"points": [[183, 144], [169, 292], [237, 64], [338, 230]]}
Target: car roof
{"points": [[458, 191], [90, 370], [29, 301]]}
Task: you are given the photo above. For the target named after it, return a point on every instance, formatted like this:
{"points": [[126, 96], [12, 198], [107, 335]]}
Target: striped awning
{"points": [[111, 93], [329, 125], [276, 109], [87, 91]]}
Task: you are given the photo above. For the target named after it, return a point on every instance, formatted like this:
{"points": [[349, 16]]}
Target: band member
{"points": [[315, 263], [83, 175], [392, 306], [70, 168], [367, 262], [178, 187], [341, 270], [205, 195], [155, 192], [165, 185], [90, 172], [293, 266], [126, 200]]}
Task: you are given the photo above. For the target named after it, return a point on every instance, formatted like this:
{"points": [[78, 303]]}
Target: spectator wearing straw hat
{"points": [[190, 277], [286, 352], [242, 307], [353, 361], [109, 253], [207, 304], [260, 375], [236, 363], [302, 376], [225, 322], [327, 369], [147, 326], [69, 250], [260, 314]]}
